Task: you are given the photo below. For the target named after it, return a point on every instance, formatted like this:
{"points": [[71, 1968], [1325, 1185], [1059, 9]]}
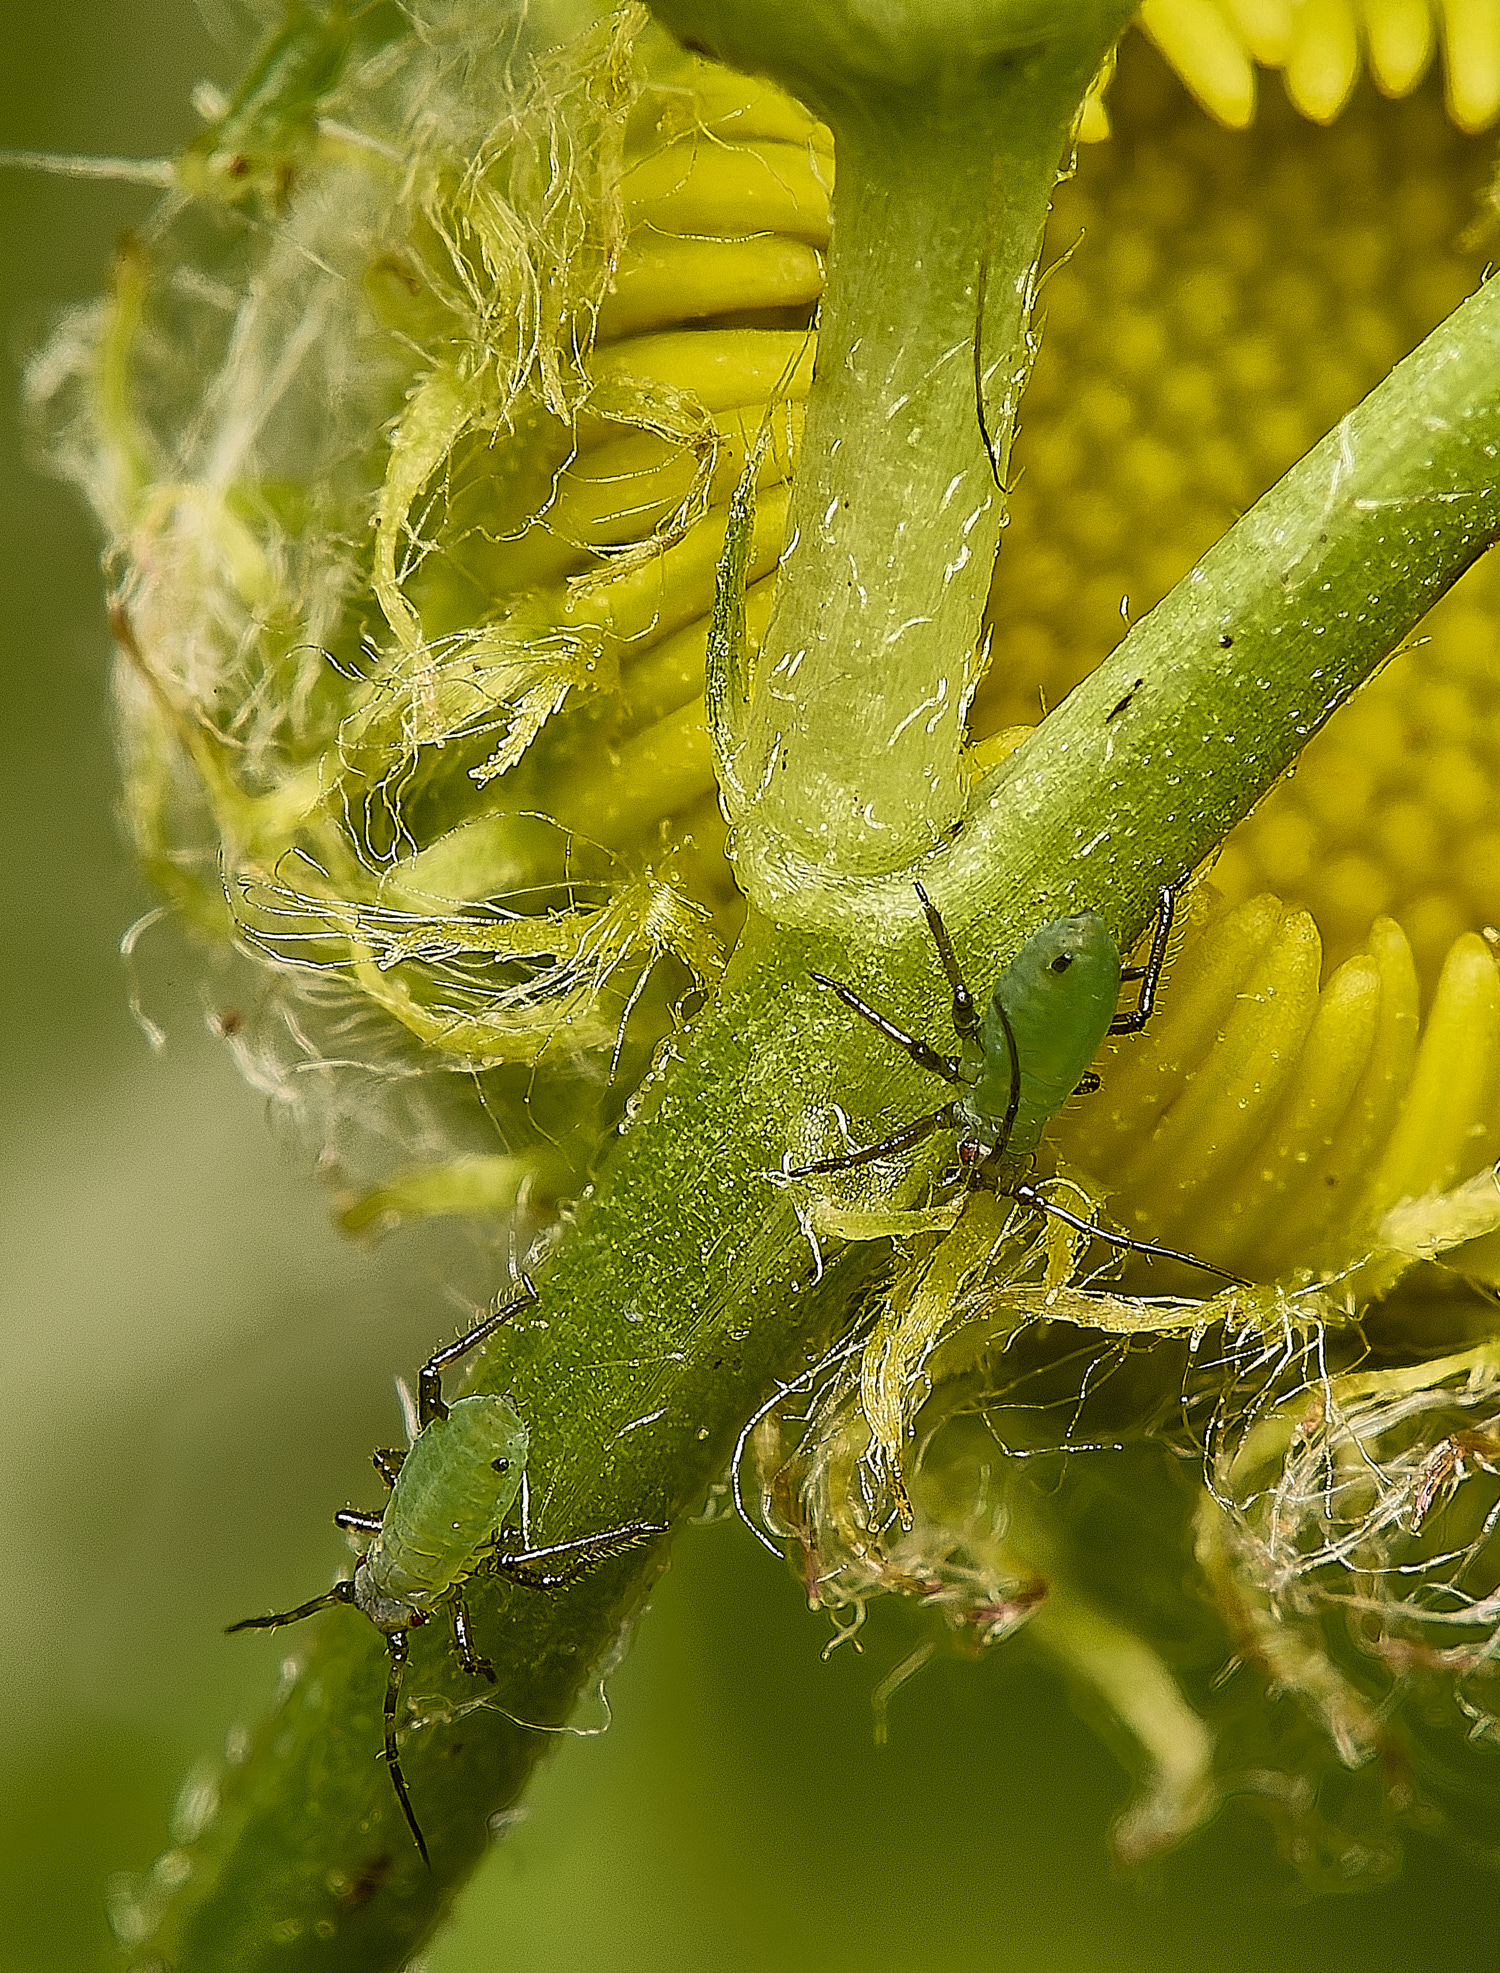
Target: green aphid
{"points": [[258, 143], [451, 1491], [1021, 1060]]}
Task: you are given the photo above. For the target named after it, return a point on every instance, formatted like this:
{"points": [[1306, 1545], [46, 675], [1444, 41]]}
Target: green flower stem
{"points": [[884, 582], [1143, 770], [684, 1289], [949, 134], [652, 1316], [1212, 696]]}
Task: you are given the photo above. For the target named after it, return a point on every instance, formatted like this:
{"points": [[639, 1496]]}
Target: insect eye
{"points": [[500, 1465], [1062, 962]]}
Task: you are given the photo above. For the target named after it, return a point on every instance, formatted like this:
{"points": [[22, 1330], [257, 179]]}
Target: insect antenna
{"points": [[342, 1592], [980, 299], [124, 171], [1028, 1195], [397, 1646]]}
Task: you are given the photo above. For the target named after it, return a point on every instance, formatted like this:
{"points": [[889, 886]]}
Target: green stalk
{"points": [[684, 1291], [945, 173]]}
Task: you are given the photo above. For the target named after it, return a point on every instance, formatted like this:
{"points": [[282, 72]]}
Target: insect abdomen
{"points": [[448, 1500], [1059, 994]]}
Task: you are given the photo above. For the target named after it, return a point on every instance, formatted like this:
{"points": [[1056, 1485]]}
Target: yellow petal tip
{"points": [[1212, 60]]}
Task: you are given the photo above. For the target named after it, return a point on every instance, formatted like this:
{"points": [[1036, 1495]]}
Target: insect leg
{"points": [[588, 1552], [463, 1641], [342, 1592], [1149, 975], [351, 1519], [1030, 1196], [430, 1377], [397, 1646], [965, 1013], [924, 1056], [983, 1173], [388, 1464], [887, 1147]]}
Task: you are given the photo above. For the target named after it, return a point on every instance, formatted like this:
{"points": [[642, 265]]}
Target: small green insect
{"points": [[258, 140], [1029, 1051], [450, 1493]]}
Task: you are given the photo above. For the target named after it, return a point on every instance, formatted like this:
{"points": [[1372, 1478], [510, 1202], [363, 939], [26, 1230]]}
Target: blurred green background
{"points": [[196, 1366]]}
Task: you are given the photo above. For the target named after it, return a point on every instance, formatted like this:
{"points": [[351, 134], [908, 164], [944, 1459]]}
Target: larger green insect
{"points": [[1025, 1055], [451, 1491]]}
